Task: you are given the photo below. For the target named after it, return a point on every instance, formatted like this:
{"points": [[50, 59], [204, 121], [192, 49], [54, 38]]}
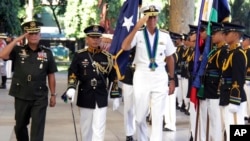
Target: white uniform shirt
{"points": [[165, 48]]}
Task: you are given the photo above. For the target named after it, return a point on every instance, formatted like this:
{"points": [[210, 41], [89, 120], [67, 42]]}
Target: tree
{"points": [[8, 16], [181, 14], [54, 6], [241, 13], [80, 14]]}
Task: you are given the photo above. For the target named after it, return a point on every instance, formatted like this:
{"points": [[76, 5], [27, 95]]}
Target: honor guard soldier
{"points": [[3, 71], [178, 41], [232, 94], [169, 123], [33, 65], [150, 80], [189, 62], [246, 47], [89, 71], [128, 97], [211, 84], [185, 74]]}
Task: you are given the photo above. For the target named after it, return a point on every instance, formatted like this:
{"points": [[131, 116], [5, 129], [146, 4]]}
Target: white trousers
{"points": [[129, 112], [93, 123], [179, 95], [247, 91], [150, 88], [170, 111], [184, 84], [193, 122], [3, 70], [230, 118], [210, 118]]}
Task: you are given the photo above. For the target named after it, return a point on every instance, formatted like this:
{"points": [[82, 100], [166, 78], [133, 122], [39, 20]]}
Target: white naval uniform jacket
{"points": [[165, 48]]}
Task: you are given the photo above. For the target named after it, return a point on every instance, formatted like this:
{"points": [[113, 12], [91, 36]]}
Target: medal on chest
{"points": [[23, 54], [85, 63], [42, 56]]}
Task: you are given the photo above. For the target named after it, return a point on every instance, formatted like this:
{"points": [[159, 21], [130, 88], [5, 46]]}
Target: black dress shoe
{"points": [[191, 138], [187, 113], [129, 138], [166, 129], [3, 87], [182, 109]]}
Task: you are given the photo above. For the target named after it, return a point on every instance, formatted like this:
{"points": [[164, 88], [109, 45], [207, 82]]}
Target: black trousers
{"points": [[26, 111]]}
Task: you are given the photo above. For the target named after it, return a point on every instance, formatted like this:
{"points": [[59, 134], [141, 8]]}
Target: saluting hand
{"points": [[21, 37], [142, 21]]}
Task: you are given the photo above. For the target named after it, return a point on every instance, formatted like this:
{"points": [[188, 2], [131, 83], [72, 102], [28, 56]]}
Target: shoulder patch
{"points": [[81, 50], [163, 30]]}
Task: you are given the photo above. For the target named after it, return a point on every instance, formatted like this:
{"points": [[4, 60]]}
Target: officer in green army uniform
{"points": [[33, 64], [89, 71], [232, 94]]}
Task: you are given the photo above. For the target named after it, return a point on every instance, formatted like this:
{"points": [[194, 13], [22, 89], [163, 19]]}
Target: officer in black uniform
{"points": [[232, 94], [90, 70], [246, 47], [178, 42], [211, 83], [33, 64], [128, 96]]}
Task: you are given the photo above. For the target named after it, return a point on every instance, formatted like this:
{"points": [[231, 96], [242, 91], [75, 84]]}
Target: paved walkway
{"points": [[59, 123]]}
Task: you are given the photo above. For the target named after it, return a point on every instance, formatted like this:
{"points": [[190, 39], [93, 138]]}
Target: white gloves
{"points": [[116, 104], [233, 108], [71, 94]]}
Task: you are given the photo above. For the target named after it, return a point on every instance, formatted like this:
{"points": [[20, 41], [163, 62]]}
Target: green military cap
{"points": [[94, 30], [151, 10], [32, 26]]}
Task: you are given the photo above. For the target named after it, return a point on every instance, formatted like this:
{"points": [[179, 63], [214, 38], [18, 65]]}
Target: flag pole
{"points": [[195, 67]]}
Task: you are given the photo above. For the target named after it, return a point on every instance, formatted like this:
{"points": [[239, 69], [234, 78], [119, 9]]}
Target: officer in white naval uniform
{"points": [[150, 77]]}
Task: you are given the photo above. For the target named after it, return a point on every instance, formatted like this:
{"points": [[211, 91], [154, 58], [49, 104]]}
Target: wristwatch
{"points": [[53, 94]]}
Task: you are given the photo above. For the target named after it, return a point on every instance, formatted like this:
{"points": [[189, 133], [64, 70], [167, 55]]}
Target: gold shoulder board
{"points": [[81, 50]]}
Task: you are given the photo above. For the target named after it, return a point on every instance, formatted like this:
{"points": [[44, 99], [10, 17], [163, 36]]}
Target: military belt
{"points": [[226, 80], [30, 78], [247, 78], [94, 82], [212, 74]]}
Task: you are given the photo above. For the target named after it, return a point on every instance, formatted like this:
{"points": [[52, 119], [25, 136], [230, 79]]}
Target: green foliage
{"points": [[241, 13], [80, 14], [8, 15], [113, 10]]}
